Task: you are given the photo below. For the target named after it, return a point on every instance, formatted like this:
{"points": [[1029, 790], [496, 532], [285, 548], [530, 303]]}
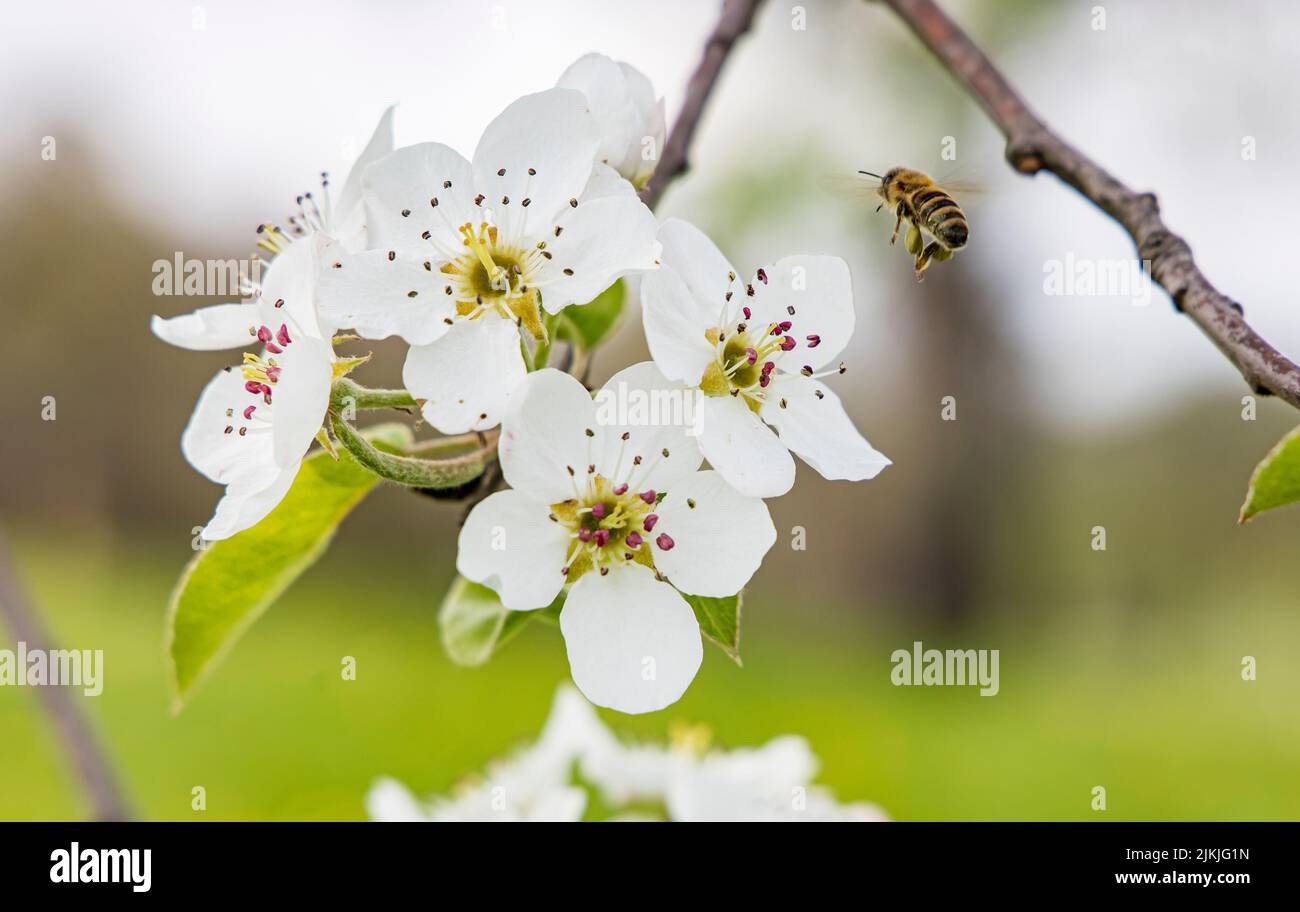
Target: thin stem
{"points": [[736, 18], [1032, 146], [451, 472], [79, 740], [458, 444], [347, 392]]}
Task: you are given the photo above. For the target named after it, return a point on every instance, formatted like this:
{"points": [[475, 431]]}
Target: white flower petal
{"points": [[623, 104], [300, 398], [674, 324], [371, 292], [601, 240], [388, 801], [683, 299], [602, 81], [550, 133], [510, 545], [543, 435], [563, 804], [651, 125], [380, 144], [288, 293], [814, 425], [225, 456], [633, 642], [820, 291], [657, 415], [247, 502], [719, 536], [409, 180], [628, 773], [605, 181], [467, 376], [572, 729], [690, 253], [744, 451], [209, 328], [747, 784]]}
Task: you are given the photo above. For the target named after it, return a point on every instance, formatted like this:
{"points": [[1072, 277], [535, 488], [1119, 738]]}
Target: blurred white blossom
{"points": [[682, 780]]}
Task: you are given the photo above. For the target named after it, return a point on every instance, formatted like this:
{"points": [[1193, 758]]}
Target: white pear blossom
{"points": [[771, 783], [467, 252], [685, 779], [756, 350], [254, 424], [621, 515], [630, 119], [316, 232], [535, 784]]}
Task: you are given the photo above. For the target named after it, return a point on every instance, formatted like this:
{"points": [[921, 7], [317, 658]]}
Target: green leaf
{"points": [[475, 624], [231, 583], [1276, 481], [719, 621], [587, 325]]}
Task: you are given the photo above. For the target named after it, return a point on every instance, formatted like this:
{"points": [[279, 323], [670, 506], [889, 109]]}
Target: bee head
{"points": [[898, 181]]}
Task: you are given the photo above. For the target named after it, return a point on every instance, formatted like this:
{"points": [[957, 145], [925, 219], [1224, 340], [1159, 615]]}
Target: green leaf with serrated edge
{"points": [[1276, 480], [231, 583], [719, 621], [475, 624], [589, 324]]}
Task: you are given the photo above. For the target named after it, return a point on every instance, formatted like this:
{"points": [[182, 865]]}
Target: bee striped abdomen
{"points": [[942, 217]]}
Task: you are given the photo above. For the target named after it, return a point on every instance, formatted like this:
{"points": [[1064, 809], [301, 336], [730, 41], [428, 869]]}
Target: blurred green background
{"points": [[1119, 668]]}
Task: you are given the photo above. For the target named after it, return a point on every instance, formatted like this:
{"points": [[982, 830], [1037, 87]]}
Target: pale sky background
{"points": [[211, 117]]}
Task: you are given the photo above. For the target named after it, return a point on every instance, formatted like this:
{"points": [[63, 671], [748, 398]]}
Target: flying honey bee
{"points": [[914, 197]]}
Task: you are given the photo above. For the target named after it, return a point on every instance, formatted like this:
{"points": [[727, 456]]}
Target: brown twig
{"points": [[736, 18], [79, 741], [1033, 147]]}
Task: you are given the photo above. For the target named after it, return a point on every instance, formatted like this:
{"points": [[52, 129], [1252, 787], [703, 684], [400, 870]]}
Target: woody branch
{"points": [[1032, 146]]}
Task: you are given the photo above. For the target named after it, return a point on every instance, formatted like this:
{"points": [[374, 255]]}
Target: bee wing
{"points": [[964, 187], [856, 187]]}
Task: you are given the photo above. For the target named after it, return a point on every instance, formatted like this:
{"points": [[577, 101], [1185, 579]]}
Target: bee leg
{"points": [[933, 250], [902, 214]]}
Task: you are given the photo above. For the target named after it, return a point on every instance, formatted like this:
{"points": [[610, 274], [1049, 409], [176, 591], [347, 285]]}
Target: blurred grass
{"points": [[1152, 706]]}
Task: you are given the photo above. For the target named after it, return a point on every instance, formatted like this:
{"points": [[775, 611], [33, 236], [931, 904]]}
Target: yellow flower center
{"points": [[607, 524], [491, 275], [743, 361]]}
